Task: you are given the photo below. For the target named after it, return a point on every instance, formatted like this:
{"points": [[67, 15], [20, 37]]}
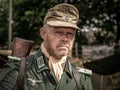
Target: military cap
{"points": [[62, 15]]}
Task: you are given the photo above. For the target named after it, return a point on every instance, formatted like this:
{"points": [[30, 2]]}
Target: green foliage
{"points": [[28, 18], [101, 14], [3, 22]]}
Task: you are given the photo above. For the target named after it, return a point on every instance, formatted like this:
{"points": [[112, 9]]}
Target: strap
{"points": [[21, 74], [76, 77], [24, 66], [29, 60]]}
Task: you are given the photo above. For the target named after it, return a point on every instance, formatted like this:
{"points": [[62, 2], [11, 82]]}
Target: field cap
{"points": [[62, 15]]}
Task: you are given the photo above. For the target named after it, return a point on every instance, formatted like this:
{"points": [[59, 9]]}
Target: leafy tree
{"points": [[28, 18], [101, 14], [3, 22]]}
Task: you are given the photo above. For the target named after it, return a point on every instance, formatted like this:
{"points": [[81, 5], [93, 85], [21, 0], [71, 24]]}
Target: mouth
{"points": [[63, 47]]}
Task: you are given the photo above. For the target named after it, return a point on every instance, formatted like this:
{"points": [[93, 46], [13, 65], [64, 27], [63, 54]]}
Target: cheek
{"points": [[52, 42], [71, 44], [55, 43]]}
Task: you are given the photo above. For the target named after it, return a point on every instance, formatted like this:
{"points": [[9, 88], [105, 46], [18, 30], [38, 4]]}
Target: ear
{"points": [[42, 33]]}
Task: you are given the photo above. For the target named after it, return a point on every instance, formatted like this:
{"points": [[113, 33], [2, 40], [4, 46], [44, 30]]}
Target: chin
{"points": [[62, 53]]}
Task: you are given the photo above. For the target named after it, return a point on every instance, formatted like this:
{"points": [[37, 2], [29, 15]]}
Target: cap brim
{"points": [[62, 24]]}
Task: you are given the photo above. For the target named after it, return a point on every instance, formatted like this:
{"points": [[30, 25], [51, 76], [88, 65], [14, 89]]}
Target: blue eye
{"points": [[70, 34], [58, 33]]}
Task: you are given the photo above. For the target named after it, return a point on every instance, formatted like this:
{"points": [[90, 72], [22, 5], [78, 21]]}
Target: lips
{"points": [[63, 47]]}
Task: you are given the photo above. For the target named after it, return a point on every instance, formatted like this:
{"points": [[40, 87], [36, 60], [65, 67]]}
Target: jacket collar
{"points": [[41, 63]]}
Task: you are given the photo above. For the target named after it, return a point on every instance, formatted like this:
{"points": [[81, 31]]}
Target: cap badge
{"points": [[67, 18]]}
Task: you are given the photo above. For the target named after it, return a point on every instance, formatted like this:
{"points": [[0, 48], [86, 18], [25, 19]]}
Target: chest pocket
{"points": [[66, 83], [69, 86]]}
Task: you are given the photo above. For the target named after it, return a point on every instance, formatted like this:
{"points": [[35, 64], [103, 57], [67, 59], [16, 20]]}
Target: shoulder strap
{"points": [[21, 74], [76, 77], [24, 66]]}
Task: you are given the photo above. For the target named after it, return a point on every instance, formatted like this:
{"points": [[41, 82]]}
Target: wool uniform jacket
{"points": [[40, 77]]}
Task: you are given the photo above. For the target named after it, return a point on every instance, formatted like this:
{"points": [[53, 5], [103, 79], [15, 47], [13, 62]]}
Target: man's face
{"points": [[58, 41]]}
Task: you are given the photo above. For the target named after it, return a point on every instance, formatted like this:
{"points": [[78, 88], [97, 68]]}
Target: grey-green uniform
{"points": [[40, 77]]}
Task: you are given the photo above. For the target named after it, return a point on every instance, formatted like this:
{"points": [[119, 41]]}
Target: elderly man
{"points": [[50, 68]]}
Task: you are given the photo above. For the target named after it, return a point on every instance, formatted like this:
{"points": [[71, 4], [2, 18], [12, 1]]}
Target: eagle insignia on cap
{"points": [[67, 18]]}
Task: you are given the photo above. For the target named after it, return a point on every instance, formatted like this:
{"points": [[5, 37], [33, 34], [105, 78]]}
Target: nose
{"points": [[64, 37]]}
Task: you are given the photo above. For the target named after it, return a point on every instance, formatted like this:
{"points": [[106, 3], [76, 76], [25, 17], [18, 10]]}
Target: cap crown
{"points": [[63, 15]]}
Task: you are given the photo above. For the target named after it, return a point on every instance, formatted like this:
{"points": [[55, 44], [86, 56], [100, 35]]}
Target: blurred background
{"points": [[96, 47]]}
